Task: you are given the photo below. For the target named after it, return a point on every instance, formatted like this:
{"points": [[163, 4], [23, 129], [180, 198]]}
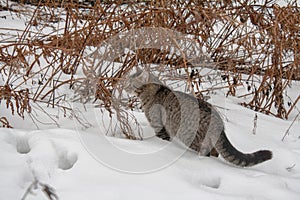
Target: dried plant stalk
{"points": [[244, 40]]}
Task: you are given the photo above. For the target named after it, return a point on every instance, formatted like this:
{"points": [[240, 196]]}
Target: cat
{"points": [[194, 122]]}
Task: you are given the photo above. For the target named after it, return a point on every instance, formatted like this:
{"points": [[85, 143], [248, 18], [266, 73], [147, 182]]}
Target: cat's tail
{"points": [[232, 155]]}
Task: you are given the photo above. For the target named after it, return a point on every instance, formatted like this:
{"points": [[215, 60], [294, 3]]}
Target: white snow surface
{"points": [[60, 158]]}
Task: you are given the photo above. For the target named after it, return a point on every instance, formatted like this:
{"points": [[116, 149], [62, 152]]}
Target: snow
{"points": [[88, 164], [65, 159]]}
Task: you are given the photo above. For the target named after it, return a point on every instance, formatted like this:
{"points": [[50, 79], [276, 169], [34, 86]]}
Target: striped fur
{"points": [[193, 121]]}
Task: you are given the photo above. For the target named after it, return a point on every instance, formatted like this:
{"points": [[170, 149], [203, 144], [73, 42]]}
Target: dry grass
{"points": [[240, 37]]}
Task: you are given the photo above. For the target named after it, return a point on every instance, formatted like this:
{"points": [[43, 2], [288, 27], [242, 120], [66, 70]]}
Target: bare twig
{"points": [[288, 130], [255, 124]]}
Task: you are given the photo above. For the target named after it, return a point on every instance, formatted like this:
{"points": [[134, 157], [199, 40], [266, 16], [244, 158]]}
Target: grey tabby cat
{"points": [[194, 122]]}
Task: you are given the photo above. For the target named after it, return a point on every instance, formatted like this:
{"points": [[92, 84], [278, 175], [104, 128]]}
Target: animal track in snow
{"points": [[66, 160], [19, 141], [22, 145], [214, 182]]}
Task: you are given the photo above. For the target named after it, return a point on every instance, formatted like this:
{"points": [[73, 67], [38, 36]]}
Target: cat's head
{"points": [[137, 80]]}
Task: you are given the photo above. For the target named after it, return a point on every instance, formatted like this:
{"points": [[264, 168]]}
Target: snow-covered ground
{"points": [[62, 159], [86, 164]]}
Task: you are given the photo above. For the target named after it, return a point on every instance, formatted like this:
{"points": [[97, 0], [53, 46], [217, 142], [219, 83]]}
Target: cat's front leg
{"points": [[163, 134], [155, 118]]}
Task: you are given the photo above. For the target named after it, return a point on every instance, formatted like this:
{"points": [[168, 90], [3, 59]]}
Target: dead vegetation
{"points": [[244, 39]]}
